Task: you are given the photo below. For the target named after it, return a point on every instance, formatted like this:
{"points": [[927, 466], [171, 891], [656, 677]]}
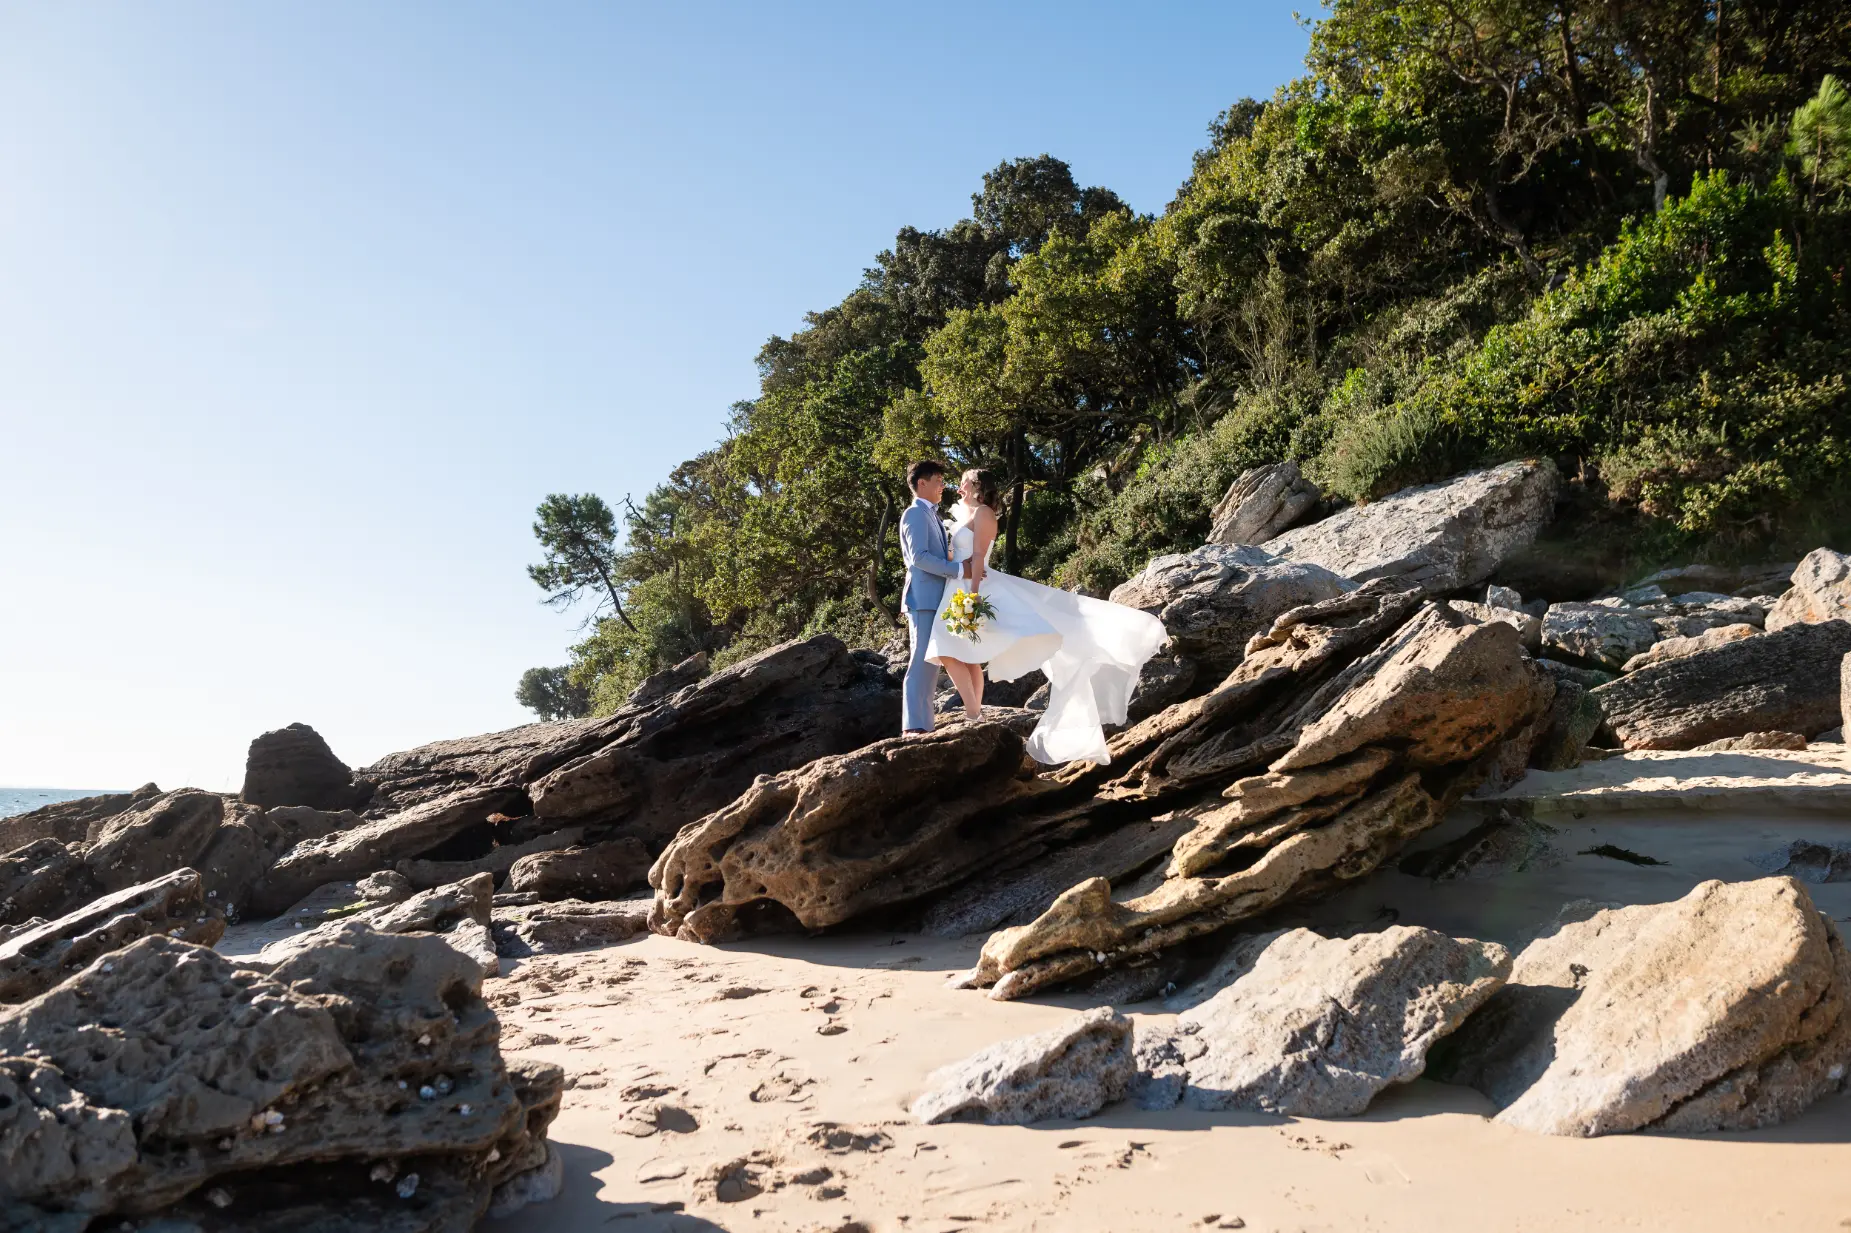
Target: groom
{"points": [[928, 564]]}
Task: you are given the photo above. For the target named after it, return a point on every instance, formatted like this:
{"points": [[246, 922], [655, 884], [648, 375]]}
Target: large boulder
{"points": [[358, 1085], [599, 871], [1214, 599], [294, 766], [460, 913], [1418, 722], [1069, 1071], [1315, 1027], [167, 833], [1599, 635], [1725, 1010], [1695, 644], [1780, 682], [44, 878], [173, 905], [846, 834], [1438, 537], [1821, 591], [1262, 503]]}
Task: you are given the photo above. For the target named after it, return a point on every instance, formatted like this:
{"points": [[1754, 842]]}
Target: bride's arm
{"points": [[983, 534]]}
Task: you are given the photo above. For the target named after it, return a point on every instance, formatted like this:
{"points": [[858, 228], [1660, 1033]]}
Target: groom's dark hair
{"points": [[924, 469]]}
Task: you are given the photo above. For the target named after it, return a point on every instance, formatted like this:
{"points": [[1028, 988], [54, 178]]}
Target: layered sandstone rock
{"points": [[294, 766], [1315, 1027], [1436, 538], [1264, 502], [599, 871], [358, 1085], [1725, 1010], [1780, 682], [173, 905], [1599, 635], [1073, 1070], [1820, 591]]}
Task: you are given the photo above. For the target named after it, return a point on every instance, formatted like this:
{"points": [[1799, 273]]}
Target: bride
{"points": [[1090, 649]]}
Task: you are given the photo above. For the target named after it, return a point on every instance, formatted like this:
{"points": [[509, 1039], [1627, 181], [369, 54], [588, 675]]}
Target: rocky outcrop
{"points": [[171, 906], [1725, 1010], [1574, 717], [1214, 599], [294, 766], [1598, 635], [1315, 1027], [1754, 740], [1436, 538], [1528, 625], [1785, 681], [499, 862], [570, 924], [669, 680], [1678, 648], [358, 1085], [1821, 591], [44, 878], [1069, 1071], [1262, 503], [167, 833], [459, 913], [1421, 720], [69, 821], [1844, 691], [847, 834], [600, 871], [378, 844]]}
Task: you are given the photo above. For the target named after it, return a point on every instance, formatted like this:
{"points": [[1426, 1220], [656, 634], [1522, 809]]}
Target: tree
{"points": [[551, 694], [1822, 136], [579, 534]]}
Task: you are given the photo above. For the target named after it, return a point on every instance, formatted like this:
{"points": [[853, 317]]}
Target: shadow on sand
{"points": [[581, 1209]]}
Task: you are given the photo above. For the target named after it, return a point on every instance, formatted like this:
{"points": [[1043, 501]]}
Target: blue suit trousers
{"points": [[921, 677]]}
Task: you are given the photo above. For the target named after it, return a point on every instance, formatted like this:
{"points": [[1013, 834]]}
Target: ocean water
{"points": [[25, 800]]}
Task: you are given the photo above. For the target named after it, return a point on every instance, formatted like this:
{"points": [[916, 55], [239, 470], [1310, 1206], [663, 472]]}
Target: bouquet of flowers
{"points": [[966, 613]]}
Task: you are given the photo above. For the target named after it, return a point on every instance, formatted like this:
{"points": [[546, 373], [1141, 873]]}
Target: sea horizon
{"points": [[25, 800]]}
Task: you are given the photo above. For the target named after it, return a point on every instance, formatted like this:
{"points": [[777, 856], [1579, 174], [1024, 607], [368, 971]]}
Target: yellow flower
{"points": [[966, 613]]}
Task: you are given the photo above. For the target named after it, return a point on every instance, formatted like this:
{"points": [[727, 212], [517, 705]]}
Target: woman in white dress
{"points": [[1091, 650]]}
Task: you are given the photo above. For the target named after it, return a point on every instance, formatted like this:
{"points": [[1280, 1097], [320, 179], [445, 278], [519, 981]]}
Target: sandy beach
{"points": [[765, 1085]]}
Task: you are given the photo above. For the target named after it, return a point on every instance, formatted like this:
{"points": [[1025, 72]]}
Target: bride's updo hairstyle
{"points": [[989, 492]]}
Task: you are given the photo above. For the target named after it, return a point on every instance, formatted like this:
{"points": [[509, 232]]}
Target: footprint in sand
{"points": [[780, 1086]]}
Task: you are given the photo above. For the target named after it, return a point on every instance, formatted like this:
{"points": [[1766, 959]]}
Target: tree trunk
{"points": [[1017, 464], [874, 561]]}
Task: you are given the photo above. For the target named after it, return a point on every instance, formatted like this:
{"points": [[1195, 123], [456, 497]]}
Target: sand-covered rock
{"points": [[1727, 1009], [1820, 591], [1069, 1071], [1786, 681], [1263, 502], [294, 766], [173, 905], [844, 835], [1212, 600], [1437, 537], [358, 1085], [1597, 634], [1315, 1027]]}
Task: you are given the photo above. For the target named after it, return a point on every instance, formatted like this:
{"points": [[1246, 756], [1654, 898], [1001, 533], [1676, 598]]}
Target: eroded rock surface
{"points": [[1214, 599], [1786, 681], [294, 766], [600, 871], [1264, 502], [1073, 1070], [1437, 537], [1727, 1009], [460, 913], [69, 821], [163, 1070], [171, 906], [1820, 591], [1678, 648], [1598, 635], [1315, 1027]]}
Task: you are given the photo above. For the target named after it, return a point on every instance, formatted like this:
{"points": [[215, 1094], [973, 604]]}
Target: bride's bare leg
{"points": [[969, 680]]}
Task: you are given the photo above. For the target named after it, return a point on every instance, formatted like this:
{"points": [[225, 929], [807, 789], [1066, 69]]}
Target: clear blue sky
{"points": [[303, 308]]}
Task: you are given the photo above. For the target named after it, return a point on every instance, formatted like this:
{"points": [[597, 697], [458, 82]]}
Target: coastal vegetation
{"points": [[1615, 235]]}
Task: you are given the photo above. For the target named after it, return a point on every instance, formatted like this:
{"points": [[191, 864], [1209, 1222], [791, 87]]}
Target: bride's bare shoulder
{"points": [[985, 518]]}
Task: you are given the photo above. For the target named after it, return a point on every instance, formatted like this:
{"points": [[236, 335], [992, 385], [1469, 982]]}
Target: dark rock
{"points": [[294, 766], [342, 900], [165, 1069], [69, 821], [1586, 678], [460, 913], [45, 878], [1786, 681], [1262, 503], [171, 906], [500, 862], [600, 871], [1574, 717], [670, 680], [1808, 861], [844, 835], [158, 836], [570, 924]]}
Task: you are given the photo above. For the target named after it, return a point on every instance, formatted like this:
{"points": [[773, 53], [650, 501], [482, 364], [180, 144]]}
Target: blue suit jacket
{"points": [[927, 556]]}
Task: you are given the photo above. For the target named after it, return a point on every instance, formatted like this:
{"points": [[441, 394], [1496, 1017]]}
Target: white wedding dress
{"points": [[1091, 650]]}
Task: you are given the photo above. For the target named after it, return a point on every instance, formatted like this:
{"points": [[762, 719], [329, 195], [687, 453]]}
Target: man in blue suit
{"points": [[928, 565]]}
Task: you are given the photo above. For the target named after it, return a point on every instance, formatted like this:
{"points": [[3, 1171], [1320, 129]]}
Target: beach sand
{"points": [[764, 1085]]}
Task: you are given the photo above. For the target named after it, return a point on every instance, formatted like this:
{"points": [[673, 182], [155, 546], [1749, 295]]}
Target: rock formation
{"points": [[601, 871], [1421, 721], [1264, 502], [1214, 599], [1436, 538], [1725, 1010], [294, 766], [459, 913], [1073, 1070], [844, 835], [69, 821], [1599, 635], [1315, 1027], [358, 1085], [173, 905], [1678, 648], [1821, 591], [1786, 681]]}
